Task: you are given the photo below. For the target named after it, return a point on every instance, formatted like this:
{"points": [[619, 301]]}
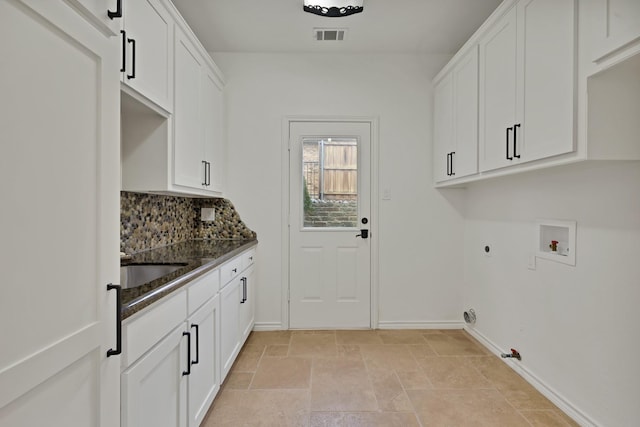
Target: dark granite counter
{"points": [[200, 256]]}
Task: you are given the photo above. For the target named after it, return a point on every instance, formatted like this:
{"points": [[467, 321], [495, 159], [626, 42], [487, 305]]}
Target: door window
{"points": [[330, 182]]}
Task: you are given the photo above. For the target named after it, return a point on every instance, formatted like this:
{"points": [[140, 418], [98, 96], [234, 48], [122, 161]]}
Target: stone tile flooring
{"points": [[376, 378]]}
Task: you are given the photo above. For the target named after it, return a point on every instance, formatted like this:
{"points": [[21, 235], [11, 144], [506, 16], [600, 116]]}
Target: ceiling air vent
{"points": [[329, 34]]}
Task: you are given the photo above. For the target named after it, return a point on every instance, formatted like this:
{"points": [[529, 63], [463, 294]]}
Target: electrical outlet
{"points": [[207, 214]]}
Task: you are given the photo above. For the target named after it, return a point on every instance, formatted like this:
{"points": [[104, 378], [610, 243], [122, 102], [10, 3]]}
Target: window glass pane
{"points": [[330, 182]]}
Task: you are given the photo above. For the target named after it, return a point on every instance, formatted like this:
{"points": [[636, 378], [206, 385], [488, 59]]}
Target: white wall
{"points": [[420, 231], [576, 327]]}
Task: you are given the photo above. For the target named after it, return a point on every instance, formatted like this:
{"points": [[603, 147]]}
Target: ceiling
{"points": [[385, 26]]}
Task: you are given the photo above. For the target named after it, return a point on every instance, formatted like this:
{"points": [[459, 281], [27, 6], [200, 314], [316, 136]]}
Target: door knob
{"points": [[364, 233]]}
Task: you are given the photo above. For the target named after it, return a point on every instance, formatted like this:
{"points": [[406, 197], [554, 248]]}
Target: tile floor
{"points": [[376, 378]]}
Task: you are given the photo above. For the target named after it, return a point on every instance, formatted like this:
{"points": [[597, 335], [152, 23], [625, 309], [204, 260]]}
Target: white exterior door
{"points": [[329, 264], [59, 222]]}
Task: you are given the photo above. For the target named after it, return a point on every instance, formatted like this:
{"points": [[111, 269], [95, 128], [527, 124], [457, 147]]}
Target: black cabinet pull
{"points": [[235, 270], [118, 350], [133, 61], [188, 371], [195, 362], [117, 13], [208, 173], [205, 172], [452, 172], [448, 168], [515, 146], [244, 290], [508, 157], [124, 51]]}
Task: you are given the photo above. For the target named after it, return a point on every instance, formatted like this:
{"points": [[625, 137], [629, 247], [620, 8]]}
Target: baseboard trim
{"points": [[555, 397], [268, 326], [443, 324]]}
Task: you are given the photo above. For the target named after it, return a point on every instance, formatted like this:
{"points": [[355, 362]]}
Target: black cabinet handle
{"points": [[244, 290], [515, 146], [118, 350], [235, 270], [452, 172], [118, 12], [508, 157], [195, 362], [124, 51], [133, 66], [205, 172], [188, 371], [448, 167], [208, 173]]}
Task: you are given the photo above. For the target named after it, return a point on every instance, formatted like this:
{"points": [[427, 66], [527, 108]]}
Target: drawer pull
{"points": [[235, 270]]}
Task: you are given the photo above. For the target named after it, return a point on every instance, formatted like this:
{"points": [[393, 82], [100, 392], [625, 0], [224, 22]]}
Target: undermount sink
{"points": [[134, 275]]}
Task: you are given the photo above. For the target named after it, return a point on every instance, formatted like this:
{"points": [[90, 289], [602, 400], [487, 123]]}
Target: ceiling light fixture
{"points": [[333, 8]]}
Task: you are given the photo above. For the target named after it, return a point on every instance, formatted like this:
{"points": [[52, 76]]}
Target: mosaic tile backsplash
{"points": [[149, 221]]}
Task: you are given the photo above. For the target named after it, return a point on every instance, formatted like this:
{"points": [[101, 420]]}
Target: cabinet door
{"points": [[230, 298], [149, 50], [442, 128], [618, 25], [464, 161], [213, 128], [546, 36], [498, 93], [59, 115], [188, 148], [154, 392], [204, 381], [247, 308]]}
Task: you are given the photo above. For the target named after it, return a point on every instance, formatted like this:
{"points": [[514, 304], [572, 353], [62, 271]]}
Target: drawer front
{"points": [[145, 331], [248, 258], [230, 270], [202, 289]]}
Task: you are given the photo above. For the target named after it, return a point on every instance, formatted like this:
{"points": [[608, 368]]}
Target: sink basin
{"points": [[134, 275]]}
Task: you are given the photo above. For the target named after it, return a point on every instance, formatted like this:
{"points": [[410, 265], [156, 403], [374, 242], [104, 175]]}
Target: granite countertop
{"points": [[200, 256]]}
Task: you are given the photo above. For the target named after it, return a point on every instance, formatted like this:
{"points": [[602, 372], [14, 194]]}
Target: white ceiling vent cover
{"points": [[330, 34]]}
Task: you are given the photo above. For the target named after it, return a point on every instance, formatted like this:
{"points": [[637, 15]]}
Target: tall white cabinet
{"points": [[59, 170]]}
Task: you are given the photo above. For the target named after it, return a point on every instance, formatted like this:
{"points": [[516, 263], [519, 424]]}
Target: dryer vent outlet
{"points": [[470, 316]]}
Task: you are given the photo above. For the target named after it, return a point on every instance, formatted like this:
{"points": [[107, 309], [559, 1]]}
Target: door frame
{"points": [[374, 225]]}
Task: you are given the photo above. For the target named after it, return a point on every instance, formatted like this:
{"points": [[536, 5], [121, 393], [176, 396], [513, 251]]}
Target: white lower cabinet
{"points": [[177, 352], [247, 307], [230, 298], [204, 380], [154, 388], [237, 307]]}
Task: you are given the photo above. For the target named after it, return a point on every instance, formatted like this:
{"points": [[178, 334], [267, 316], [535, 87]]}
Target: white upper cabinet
{"points": [[59, 115], [498, 93], [178, 149], [214, 130], [527, 84], [442, 128], [617, 26], [198, 119], [147, 51], [456, 120], [190, 169]]}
